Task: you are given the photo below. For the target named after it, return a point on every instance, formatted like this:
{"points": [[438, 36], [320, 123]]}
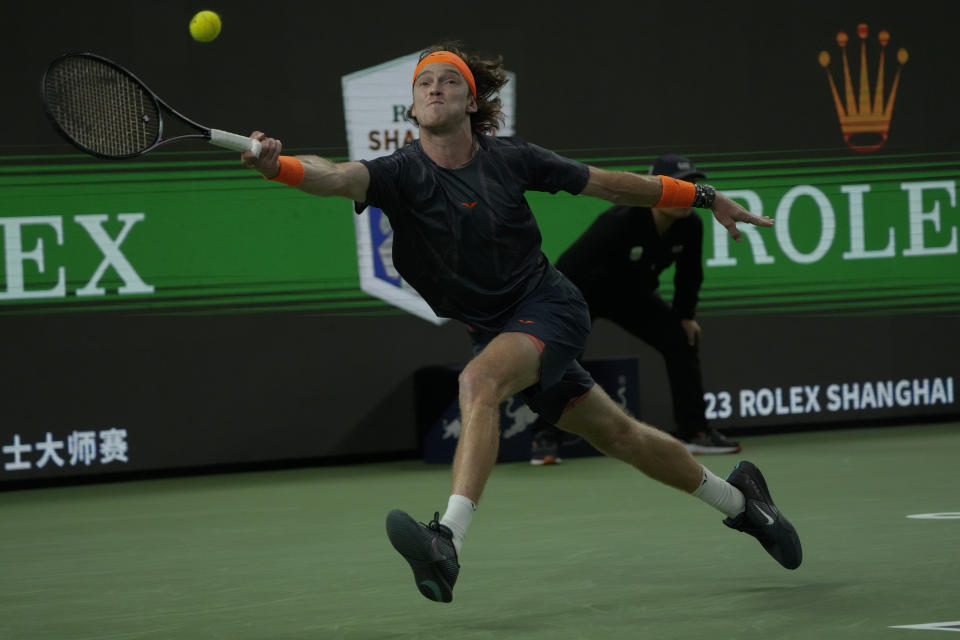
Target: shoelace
{"points": [[434, 525]]}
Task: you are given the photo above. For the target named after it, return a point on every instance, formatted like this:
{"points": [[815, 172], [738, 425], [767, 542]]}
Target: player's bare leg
{"points": [[654, 452], [743, 496], [507, 365]]}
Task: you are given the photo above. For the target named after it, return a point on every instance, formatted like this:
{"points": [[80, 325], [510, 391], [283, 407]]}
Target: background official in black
{"points": [[617, 263]]}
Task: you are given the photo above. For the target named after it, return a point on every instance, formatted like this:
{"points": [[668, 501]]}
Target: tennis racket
{"points": [[106, 111]]}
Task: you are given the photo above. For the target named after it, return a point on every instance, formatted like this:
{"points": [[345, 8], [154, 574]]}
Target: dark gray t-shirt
{"points": [[465, 238]]}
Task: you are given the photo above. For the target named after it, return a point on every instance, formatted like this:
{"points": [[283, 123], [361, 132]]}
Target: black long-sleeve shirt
{"points": [[622, 254]]}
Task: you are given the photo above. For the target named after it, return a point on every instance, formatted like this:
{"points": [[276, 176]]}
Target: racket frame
{"points": [[217, 137]]}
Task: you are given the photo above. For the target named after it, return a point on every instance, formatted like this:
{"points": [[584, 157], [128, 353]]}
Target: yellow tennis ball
{"points": [[205, 26]]}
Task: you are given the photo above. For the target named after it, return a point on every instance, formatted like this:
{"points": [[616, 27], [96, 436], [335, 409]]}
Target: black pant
{"points": [[651, 319]]}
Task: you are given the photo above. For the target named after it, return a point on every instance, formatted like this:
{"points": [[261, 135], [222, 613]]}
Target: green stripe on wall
{"points": [[217, 238]]}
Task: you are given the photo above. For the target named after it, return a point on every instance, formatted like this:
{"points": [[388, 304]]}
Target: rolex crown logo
{"points": [[865, 124]]}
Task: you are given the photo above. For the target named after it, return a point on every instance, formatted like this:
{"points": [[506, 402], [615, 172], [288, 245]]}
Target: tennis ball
{"points": [[205, 26]]}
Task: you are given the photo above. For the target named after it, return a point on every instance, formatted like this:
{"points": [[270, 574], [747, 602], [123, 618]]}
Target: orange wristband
{"points": [[675, 193], [291, 172]]}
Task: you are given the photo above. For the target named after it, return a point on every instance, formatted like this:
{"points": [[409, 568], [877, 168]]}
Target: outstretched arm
{"points": [[622, 187], [321, 177]]}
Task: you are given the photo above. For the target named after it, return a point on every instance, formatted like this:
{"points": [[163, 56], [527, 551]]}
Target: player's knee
{"points": [[476, 385], [620, 433], [608, 428]]}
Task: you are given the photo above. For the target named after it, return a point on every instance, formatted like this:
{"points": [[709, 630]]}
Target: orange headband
{"points": [[451, 58]]}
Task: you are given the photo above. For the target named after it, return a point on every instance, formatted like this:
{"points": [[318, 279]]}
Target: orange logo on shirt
{"points": [[469, 205], [527, 321]]}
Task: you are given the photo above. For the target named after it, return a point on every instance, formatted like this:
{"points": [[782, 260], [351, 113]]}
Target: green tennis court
{"points": [[589, 549]]}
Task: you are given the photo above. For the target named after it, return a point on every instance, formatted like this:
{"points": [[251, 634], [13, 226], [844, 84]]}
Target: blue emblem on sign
{"points": [[381, 241]]}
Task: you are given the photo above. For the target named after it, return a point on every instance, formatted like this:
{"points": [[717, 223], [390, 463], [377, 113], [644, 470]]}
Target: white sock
{"points": [[457, 517], [720, 494]]}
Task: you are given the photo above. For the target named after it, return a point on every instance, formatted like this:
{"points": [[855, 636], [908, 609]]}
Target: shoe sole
{"points": [[406, 536]]}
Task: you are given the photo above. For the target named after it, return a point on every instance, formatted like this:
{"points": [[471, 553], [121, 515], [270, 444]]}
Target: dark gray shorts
{"points": [[556, 315]]}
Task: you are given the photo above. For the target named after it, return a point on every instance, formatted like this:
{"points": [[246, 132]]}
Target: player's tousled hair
{"points": [[489, 76]]}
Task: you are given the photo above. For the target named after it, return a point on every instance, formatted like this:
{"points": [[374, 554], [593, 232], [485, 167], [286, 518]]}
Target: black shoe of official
{"points": [[762, 519], [545, 449], [710, 441], [429, 550]]}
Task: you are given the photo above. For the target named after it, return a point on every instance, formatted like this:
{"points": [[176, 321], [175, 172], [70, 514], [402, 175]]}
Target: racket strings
{"points": [[102, 108]]}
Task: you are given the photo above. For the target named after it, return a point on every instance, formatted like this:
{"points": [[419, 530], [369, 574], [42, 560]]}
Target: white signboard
{"points": [[375, 101]]}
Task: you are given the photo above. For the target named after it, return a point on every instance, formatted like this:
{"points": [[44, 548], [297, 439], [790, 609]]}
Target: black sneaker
{"points": [[545, 449], [429, 550], [762, 519], [710, 441]]}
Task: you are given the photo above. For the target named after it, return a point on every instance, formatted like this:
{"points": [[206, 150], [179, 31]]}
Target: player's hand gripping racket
{"points": [[104, 110]]}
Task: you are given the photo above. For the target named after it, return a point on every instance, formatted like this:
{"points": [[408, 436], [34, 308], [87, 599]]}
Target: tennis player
{"points": [[464, 237]]}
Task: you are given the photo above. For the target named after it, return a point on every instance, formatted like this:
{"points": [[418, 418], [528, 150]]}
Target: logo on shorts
{"points": [[527, 321], [469, 205]]}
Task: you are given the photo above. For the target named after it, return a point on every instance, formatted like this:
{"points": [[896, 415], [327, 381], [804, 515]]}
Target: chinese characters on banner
{"points": [[78, 448]]}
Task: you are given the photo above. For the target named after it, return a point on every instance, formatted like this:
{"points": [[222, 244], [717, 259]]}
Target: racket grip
{"points": [[234, 142]]}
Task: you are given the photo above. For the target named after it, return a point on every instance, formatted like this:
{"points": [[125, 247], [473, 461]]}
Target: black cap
{"points": [[679, 167]]}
